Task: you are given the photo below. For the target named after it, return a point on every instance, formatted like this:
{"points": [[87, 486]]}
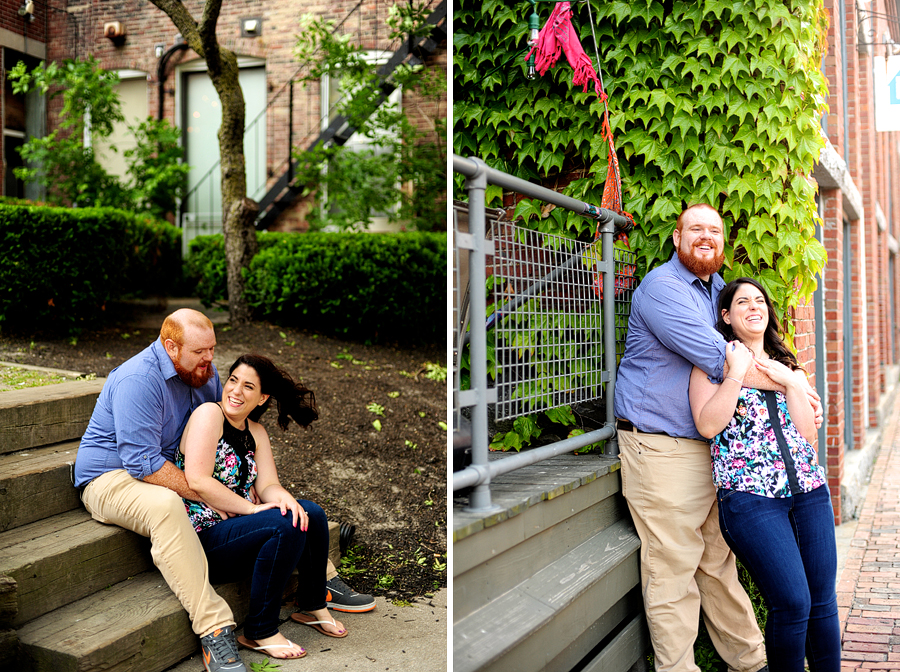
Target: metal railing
{"points": [[556, 333]]}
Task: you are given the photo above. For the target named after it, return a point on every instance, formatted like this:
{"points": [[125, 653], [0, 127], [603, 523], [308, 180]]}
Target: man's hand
{"points": [[758, 378], [171, 477], [816, 402]]}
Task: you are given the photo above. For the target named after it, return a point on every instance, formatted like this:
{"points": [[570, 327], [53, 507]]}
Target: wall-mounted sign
{"points": [[887, 93]]}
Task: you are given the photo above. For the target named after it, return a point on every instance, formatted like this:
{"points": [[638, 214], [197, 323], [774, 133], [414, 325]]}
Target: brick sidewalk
{"points": [[869, 589]]}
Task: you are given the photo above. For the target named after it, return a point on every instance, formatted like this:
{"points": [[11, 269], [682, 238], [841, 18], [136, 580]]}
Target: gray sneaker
{"points": [[220, 652], [342, 597]]}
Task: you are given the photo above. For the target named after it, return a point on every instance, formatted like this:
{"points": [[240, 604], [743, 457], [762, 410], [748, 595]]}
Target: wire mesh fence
{"points": [[547, 318]]}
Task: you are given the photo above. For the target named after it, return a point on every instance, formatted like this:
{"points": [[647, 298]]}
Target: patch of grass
{"points": [[14, 378], [349, 561], [436, 372]]}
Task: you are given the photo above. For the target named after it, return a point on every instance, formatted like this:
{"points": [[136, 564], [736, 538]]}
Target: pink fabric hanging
{"points": [[558, 35]]}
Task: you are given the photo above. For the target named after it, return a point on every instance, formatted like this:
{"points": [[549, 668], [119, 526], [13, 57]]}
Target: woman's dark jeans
{"points": [[266, 547], [787, 545]]}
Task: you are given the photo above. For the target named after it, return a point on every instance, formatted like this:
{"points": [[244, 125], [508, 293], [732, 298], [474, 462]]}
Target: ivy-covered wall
{"points": [[712, 101]]}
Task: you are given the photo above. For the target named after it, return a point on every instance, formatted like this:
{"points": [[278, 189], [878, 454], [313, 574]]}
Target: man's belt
{"points": [[625, 426]]}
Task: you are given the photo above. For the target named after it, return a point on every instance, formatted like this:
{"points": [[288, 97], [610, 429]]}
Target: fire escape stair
{"points": [[286, 190]]}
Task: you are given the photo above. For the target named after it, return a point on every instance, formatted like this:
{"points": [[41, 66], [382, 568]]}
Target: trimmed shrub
{"points": [[361, 286], [59, 266]]}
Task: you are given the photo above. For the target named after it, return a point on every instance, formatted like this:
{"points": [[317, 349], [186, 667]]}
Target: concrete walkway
{"points": [[389, 638], [869, 585]]}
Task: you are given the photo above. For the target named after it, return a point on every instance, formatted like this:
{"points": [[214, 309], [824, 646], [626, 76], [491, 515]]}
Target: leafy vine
{"points": [[717, 101]]}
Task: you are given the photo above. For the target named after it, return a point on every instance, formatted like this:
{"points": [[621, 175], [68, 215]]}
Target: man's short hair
{"points": [[174, 325], [680, 222]]}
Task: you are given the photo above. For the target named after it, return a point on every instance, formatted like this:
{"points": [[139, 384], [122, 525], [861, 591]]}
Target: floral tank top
{"points": [[234, 466], [746, 455]]}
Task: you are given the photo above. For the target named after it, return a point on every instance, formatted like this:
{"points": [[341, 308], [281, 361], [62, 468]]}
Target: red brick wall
{"points": [[80, 32], [872, 160]]}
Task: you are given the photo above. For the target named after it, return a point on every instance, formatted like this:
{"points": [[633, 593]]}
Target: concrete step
{"points": [[134, 626], [555, 617], [37, 483], [41, 416], [66, 557]]}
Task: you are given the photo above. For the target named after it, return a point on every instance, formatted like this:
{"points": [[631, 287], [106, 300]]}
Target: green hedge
{"points": [[59, 266], [361, 286]]}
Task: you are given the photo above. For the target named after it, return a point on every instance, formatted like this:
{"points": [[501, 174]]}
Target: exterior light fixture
{"points": [[251, 27]]}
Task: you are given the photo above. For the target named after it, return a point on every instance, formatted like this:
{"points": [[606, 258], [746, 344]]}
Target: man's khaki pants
{"points": [[116, 498], [685, 563]]}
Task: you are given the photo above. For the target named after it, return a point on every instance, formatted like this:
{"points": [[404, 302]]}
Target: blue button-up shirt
{"points": [[139, 417], [671, 330]]}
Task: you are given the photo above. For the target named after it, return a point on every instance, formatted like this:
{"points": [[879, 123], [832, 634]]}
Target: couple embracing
{"points": [[173, 455], [716, 422]]}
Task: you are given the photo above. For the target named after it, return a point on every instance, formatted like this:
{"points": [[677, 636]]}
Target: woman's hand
{"points": [[263, 507], [777, 371], [739, 359], [288, 503]]}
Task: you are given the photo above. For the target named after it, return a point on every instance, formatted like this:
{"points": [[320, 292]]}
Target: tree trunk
{"points": [[238, 211]]}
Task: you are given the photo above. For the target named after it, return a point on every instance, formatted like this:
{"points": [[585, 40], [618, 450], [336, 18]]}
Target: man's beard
{"points": [[194, 378], [701, 267]]}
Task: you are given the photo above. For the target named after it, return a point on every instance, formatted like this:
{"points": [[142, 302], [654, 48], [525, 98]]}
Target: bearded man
{"points": [[666, 473], [127, 453]]}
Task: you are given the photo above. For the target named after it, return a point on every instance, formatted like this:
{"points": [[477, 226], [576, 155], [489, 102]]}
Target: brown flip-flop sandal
{"points": [[308, 619], [255, 646]]}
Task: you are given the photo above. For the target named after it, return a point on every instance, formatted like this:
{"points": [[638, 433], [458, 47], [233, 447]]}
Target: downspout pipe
{"points": [[161, 75]]}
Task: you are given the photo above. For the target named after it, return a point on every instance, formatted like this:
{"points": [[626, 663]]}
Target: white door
{"points": [[201, 116]]}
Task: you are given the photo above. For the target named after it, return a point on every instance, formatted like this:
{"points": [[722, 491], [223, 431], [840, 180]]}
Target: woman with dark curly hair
{"points": [[774, 505], [225, 452]]}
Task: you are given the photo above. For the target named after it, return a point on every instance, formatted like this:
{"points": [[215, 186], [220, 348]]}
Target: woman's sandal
{"points": [[255, 646], [308, 619]]}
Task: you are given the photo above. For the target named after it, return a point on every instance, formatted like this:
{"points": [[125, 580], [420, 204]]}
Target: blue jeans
{"points": [[787, 545], [266, 547]]}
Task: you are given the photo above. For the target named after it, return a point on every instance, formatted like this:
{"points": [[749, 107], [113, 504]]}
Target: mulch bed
{"points": [[391, 483]]}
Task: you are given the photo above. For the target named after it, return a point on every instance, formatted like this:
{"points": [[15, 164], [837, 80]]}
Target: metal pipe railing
{"points": [[480, 472]]}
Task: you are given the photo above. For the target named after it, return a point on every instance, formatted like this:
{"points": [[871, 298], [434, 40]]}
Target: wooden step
{"points": [[137, 625], [492, 561], [36, 484], [69, 556], [65, 558], [531, 625], [41, 416]]}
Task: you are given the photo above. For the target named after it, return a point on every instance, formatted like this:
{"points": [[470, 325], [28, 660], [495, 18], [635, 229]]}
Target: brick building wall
{"points": [[860, 223], [78, 31]]}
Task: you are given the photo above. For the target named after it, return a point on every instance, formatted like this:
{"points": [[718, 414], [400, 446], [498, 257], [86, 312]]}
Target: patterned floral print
{"points": [[745, 455], [227, 470]]}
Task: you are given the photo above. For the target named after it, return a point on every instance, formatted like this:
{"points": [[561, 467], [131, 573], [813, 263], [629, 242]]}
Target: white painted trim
{"points": [[880, 218], [132, 74], [15, 41]]}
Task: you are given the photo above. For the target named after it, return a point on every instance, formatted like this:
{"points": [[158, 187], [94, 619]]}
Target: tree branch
{"points": [[185, 23], [207, 31]]}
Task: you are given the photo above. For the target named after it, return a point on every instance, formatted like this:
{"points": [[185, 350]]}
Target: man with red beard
{"points": [[666, 473], [128, 451]]}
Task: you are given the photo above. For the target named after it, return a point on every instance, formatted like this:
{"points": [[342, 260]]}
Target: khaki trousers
{"points": [[116, 498], [685, 563]]}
